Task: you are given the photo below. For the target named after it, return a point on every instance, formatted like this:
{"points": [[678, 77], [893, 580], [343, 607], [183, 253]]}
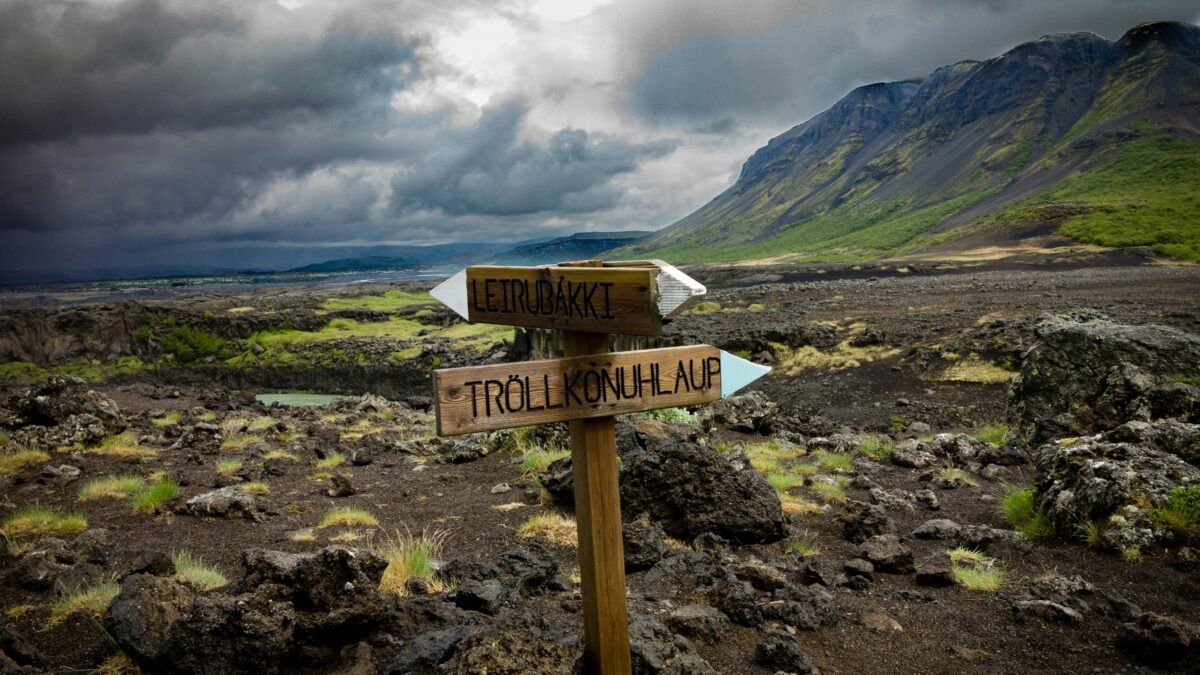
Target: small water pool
{"points": [[296, 400]]}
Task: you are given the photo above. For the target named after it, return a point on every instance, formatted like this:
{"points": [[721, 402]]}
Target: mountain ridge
{"points": [[895, 167]]}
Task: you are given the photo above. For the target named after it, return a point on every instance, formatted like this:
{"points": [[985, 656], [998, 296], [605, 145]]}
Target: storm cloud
{"points": [[230, 131]]}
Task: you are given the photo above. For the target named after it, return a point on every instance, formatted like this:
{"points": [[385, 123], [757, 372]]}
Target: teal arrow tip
{"points": [[737, 372]]}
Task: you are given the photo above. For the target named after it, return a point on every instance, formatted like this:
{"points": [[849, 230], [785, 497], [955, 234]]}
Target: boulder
{"points": [[751, 412], [521, 646], [653, 648], [700, 622], [1161, 640], [143, 614], [938, 528], [912, 454], [59, 399], [643, 542], [887, 554], [688, 489], [782, 655], [863, 521], [17, 655], [1114, 483], [1096, 372], [226, 502]]}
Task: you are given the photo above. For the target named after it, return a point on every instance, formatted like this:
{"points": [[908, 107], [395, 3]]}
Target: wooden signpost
{"points": [[586, 388]]}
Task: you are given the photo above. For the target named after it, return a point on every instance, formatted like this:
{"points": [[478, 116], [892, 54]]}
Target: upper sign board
{"points": [[485, 398], [628, 298]]}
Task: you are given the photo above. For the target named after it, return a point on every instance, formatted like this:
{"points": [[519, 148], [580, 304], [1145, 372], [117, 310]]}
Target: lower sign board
{"points": [[486, 398]]}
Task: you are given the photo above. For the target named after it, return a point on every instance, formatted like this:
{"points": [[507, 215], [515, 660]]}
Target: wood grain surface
{"points": [[484, 398], [622, 300]]}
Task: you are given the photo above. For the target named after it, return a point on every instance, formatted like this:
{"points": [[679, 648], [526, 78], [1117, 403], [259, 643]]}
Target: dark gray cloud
{"points": [[490, 171], [164, 125], [801, 64]]}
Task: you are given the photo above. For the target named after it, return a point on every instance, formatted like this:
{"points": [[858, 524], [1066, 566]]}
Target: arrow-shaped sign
{"points": [[485, 398], [630, 297]]}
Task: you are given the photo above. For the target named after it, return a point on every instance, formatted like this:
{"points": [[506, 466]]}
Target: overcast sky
{"points": [[145, 131]]}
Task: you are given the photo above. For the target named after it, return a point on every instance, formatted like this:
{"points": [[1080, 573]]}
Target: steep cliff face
{"points": [[896, 165]]}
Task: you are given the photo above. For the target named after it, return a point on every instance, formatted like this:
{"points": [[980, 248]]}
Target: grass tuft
{"points": [[239, 441], [411, 556], [167, 419], [192, 570], [535, 459], [333, 459], [1019, 509], [797, 506], [39, 520], [256, 487], [985, 578], [830, 492], [93, 600], [123, 486], [280, 454], [1181, 513], [155, 495], [956, 475], [230, 466], [121, 445], [671, 415], [12, 462], [550, 526], [802, 545], [994, 434], [878, 449], [837, 461], [348, 516]]}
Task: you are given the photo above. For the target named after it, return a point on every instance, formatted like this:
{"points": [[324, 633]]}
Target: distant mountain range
{"points": [[1070, 135], [537, 252]]}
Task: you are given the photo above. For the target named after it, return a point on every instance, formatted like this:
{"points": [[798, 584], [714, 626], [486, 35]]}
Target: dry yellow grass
{"points": [[976, 371], [552, 527]]}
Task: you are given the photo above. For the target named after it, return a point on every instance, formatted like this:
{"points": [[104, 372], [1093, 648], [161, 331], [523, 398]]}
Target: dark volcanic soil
{"points": [[861, 351]]}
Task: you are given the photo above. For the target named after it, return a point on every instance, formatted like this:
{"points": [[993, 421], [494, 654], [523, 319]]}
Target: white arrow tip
{"points": [[675, 288], [453, 293], [737, 372]]}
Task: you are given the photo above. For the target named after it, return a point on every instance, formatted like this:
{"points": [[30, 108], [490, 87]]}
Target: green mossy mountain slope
{"points": [[1071, 134]]}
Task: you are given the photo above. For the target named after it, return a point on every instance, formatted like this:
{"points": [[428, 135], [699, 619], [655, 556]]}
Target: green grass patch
{"points": [[955, 475], [347, 516], [239, 441], [705, 307], [40, 520], [782, 482], [802, 545], [877, 448], [189, 345], [1020, 510], [1181, 513], [331, 460], [122, 486], [1147, 194], [411, 556], [155, 495], [390, 301], [124, 444], [535, 459], [256, 487], [191, 570], [550, 526], [986, 579], [229, 466], [830, 492], [93, 600], [679, 415], [280, 454], [837, 461], [11, 462], [167, 419], [993, 433]]}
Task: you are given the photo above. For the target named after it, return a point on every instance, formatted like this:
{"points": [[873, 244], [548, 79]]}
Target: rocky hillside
{"points": [[1070, 134]]}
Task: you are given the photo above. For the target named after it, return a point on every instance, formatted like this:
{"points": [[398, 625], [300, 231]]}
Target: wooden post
{"points": [[598, 518]]}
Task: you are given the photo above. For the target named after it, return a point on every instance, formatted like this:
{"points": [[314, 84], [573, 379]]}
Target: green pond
{"points": [[297, 399]]}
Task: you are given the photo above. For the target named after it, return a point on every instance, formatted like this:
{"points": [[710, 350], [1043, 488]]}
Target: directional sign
{"points": [[508, 395], [630, 298]]}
